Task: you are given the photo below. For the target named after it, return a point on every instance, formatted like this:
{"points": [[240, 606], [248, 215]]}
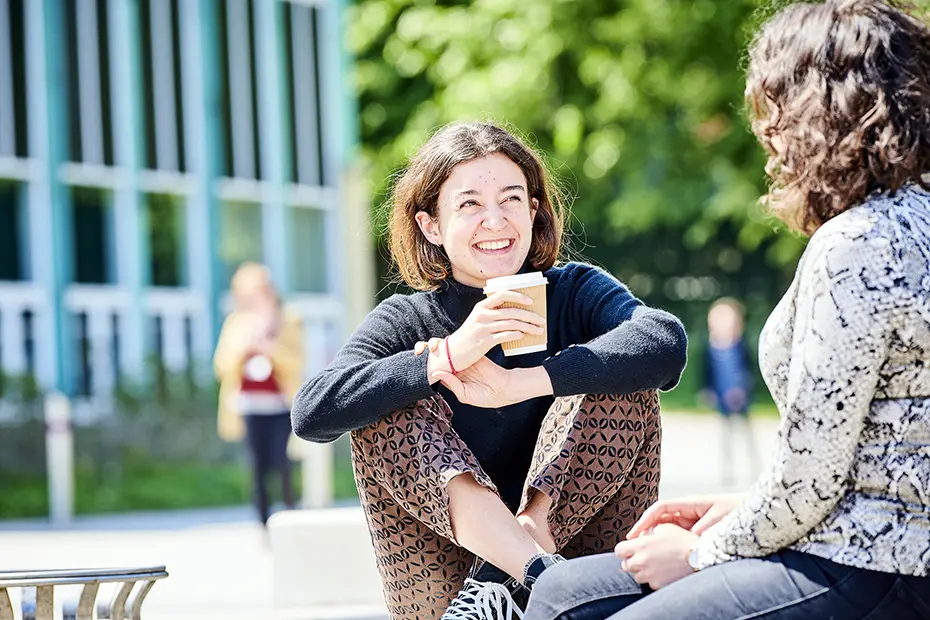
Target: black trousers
{"points": [[266, 438]]}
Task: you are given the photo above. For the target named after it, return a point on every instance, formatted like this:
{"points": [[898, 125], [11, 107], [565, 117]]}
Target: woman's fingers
{"points": [[453, 383], [432, 345], [495, 300], [711, 518], [514, 325], [518, 314], [683, 509], [510, 336]]}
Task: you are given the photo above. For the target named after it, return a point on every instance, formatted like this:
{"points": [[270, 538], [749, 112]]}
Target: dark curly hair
{"points": [[839, 95]]}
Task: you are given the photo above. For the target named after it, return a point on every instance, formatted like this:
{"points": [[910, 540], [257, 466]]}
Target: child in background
{"points": [[728, 383]]}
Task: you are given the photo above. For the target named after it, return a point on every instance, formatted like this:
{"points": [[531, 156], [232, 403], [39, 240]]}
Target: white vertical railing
{"points": [[101, 303], [15, 300], [100, 334], [13, 338], [174, 307]]}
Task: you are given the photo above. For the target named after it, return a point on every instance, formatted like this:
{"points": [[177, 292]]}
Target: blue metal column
{"points": [[200, 86], [271, 114], [51, 243], [130, 215], [348, 225]]}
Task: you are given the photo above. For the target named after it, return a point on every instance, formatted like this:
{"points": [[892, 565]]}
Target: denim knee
{"points": [[577, 582]]}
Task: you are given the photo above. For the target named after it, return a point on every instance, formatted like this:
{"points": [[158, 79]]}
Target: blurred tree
{"points": [[638, 105]]}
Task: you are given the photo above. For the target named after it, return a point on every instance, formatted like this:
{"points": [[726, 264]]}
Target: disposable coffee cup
{"points": [[533, 285]]}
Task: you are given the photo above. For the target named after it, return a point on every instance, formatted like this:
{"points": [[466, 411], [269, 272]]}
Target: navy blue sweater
{"points": [[601, 339]]}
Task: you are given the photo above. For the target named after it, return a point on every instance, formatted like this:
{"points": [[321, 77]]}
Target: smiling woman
{"points": [[482, 169], [476, 468], [488, 230]]}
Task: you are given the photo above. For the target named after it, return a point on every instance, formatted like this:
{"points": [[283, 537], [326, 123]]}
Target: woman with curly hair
{"points": [[839, 525]]}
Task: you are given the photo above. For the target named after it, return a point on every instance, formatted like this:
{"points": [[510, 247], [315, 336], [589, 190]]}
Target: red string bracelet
{"points": [[449, 356]]}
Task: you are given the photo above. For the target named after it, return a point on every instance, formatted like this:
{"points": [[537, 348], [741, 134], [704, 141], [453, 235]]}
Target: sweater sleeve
{"points": [[627, 347], [839, 343], [375, 373]]}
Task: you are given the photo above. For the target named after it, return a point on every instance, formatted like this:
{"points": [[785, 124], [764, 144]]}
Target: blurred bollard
{"points": [[318, 475], [59, 455]]}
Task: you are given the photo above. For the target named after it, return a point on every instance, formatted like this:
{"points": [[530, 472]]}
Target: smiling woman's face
{"points": [[485, 221]]}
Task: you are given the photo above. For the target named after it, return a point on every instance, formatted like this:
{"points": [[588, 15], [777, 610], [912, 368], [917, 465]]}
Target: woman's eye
{"points": [[468, 203]]}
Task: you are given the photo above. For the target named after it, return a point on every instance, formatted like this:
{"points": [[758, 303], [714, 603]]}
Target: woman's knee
{"points": [[583, 587]]}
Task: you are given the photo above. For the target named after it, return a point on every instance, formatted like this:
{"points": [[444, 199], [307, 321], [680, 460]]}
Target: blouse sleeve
{"points": [[845, 294]]}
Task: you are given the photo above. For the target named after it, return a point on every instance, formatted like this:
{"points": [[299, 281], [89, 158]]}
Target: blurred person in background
{"points": [[460, 451], [728, 383], [838, 526], [259, 363]]}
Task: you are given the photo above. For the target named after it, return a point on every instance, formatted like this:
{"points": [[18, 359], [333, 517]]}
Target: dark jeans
{"points": [[784, 586], [266, 437]]}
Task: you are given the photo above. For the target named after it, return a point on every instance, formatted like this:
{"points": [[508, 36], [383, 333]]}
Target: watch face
{"points": [[692, 557]]}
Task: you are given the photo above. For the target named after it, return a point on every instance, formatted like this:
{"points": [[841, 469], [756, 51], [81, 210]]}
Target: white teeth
{"points": [[493, 245]]}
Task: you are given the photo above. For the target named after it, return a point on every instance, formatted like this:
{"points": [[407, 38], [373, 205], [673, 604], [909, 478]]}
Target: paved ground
{"points": [[220, 564]]}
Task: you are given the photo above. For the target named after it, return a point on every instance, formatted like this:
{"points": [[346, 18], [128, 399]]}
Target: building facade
{"points": [[148, 147]]}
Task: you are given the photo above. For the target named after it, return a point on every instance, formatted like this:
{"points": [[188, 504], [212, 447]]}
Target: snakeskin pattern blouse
{"points": [[846, 355]]}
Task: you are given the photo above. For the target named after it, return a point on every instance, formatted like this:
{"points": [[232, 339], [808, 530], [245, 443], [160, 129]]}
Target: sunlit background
{"points": [[148, 147]]}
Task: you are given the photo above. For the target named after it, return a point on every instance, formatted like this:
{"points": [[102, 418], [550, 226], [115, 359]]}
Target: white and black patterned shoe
{"points": [[483, 600]]}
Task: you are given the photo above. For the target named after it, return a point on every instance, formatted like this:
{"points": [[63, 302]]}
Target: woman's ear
{"points": [[429, 227], [534, 209]]}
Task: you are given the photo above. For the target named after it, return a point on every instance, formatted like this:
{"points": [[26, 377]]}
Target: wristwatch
{"points": [[693, 556]]}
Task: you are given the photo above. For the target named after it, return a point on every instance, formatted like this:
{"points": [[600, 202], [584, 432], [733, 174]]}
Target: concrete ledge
{"points": [[323, 563], [334, 613]]}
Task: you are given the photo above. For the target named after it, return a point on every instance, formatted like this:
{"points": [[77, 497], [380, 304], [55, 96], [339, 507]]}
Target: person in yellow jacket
{"points": [[259, 363]]}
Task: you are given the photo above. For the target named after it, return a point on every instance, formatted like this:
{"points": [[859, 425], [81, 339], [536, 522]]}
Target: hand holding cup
{"points": [[493, 321]]}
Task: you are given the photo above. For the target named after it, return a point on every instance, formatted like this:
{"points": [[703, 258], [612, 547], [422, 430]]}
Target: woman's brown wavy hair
{"points": [[839, 95], [422, 265]]}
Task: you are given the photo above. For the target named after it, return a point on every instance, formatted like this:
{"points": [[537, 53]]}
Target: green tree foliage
{"points": [[638, 105]]}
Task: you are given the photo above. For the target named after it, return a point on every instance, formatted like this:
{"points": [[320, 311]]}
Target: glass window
{"points": [[91, 229], [240, 235], [308, 250], [10, 227], [166, 240]]}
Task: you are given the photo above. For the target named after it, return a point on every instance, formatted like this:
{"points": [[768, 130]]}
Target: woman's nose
{"points": [[493, 217]]}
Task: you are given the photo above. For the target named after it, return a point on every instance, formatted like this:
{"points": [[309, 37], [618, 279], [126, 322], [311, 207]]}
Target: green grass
{"points": [[149, 486]]}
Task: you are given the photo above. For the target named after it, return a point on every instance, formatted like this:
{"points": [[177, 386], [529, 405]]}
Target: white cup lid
{"points": [[508, 283]]}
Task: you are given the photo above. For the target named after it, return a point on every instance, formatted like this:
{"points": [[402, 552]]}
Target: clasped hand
{"points": [[483, 384], [477, 380], [657, 546]]}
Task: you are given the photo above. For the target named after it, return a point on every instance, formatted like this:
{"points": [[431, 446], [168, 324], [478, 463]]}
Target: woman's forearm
{"points": [[529, 383], [646, 352]]}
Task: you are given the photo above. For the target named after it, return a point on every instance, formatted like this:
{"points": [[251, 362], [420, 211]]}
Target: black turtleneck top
{"points": [[602, 340]]}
